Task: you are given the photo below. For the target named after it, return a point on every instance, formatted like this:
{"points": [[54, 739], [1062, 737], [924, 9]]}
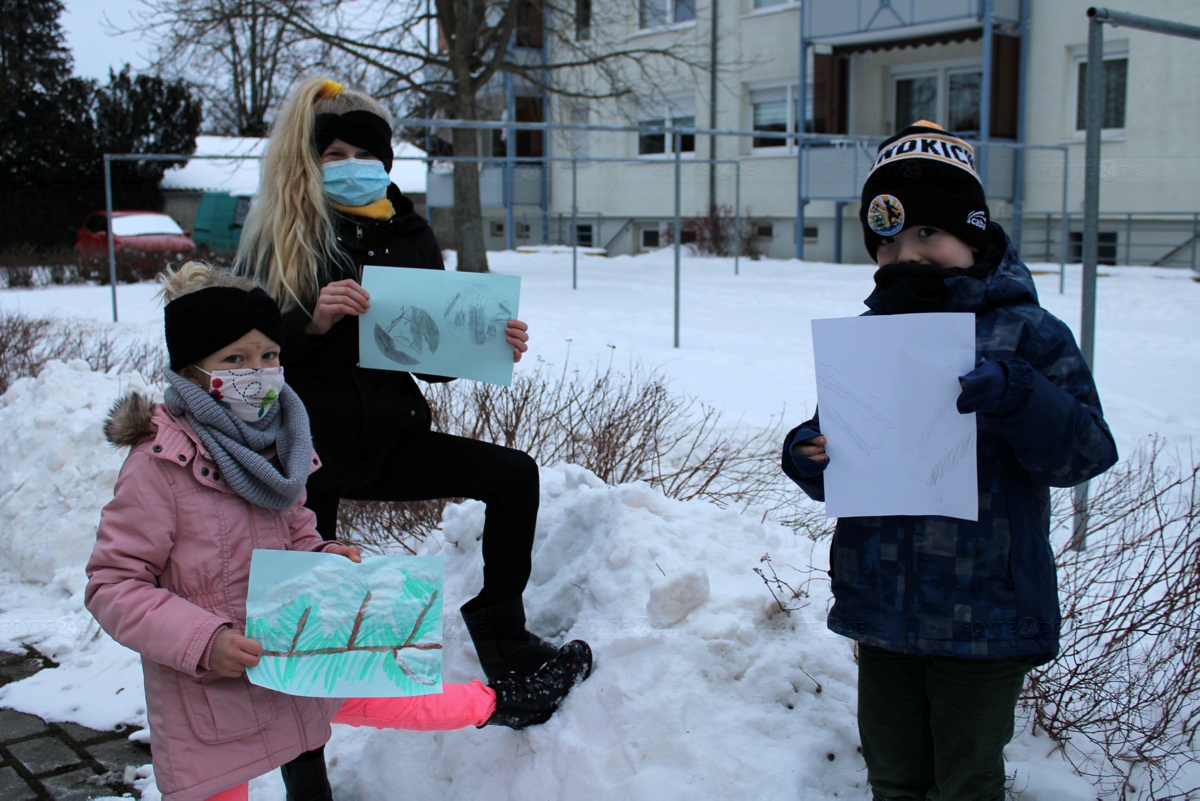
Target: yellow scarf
{"points": [[381, 209]]}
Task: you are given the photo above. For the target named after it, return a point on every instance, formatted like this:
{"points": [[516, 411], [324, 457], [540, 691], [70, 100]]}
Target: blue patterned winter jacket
{"points": [[978, 589]]}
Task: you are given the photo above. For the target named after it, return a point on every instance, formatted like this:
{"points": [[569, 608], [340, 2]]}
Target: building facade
{"points": [[800, 94]]}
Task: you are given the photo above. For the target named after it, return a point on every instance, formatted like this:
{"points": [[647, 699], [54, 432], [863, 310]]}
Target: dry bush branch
{"points": [[28, 343], [1127, 683], [622, 427]]}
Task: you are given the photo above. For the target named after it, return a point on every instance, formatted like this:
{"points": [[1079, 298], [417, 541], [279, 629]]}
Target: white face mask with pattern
{"points": [[246, 393]]}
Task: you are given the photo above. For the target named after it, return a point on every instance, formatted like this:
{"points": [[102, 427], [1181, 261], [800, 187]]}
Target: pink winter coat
{"points": [[170, 567]]}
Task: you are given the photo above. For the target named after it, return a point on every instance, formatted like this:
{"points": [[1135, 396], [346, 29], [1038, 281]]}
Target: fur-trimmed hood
{"points": [[128, 421]]}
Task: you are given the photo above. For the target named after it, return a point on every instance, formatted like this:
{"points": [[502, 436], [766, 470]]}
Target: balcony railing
{"points": [[526, 186], [826, 19]]}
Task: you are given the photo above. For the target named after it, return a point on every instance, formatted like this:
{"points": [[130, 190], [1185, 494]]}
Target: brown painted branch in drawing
{"points": [[358, 619], [299, 628], [350, 646]]}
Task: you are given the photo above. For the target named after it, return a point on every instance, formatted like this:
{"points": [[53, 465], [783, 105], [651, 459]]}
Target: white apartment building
{"points": [[870, 67]]}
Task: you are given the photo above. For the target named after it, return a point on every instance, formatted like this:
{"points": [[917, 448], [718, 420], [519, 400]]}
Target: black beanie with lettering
{"points": [[924, 176]]}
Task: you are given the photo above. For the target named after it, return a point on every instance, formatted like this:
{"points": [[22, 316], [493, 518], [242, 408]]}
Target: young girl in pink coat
{"points": [[215, 471]]}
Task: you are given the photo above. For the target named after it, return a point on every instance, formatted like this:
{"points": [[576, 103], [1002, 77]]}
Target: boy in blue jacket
{"points": [[949, 615]]}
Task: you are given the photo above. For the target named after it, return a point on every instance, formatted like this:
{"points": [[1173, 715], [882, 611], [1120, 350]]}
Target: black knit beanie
{"points": [[200, 323], [360, 128], [924, 176]]}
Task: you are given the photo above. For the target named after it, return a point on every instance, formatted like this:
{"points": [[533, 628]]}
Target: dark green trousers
{"points": [[934, 728]]}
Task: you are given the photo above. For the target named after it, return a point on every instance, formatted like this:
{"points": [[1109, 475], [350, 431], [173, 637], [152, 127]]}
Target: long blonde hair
{"points": [[289, 239]]}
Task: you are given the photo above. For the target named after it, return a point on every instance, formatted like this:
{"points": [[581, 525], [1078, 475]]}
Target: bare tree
{"points": [[242, 55], [447, 58]]}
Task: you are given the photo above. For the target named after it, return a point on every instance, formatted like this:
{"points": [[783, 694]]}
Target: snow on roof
{"points": [[240, 176]]}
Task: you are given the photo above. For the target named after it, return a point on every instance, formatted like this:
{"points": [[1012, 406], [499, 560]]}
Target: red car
{"points": [[151, 234]]}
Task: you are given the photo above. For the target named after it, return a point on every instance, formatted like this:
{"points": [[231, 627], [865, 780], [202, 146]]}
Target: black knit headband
{"points": [[200, 323], [360, 128]]}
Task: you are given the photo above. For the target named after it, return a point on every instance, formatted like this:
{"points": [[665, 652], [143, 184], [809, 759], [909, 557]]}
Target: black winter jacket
{"points": [[978, 589], [357, 414]]}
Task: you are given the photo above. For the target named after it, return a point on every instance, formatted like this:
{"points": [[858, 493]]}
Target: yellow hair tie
{"points": [[330, 89]]}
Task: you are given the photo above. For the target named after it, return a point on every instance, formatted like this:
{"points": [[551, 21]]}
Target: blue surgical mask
{"points": [[355, 182]]}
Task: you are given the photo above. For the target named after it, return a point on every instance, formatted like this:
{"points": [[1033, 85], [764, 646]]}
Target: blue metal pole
{"points": [[678, 227], [112, 254]]}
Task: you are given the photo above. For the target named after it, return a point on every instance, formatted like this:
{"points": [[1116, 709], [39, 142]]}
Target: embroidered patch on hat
{"points": [[885, 215], [977, 219]]}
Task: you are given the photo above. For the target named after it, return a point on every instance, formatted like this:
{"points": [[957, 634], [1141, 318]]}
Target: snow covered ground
{"points": [[702, 689]]}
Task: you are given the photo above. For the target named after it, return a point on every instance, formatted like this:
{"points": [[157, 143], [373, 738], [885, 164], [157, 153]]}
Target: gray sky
{"points": [[91, 46]]}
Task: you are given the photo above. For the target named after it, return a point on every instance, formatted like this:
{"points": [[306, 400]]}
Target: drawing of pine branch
{"points": [[351, 645], [482, 317], [313, 656]]}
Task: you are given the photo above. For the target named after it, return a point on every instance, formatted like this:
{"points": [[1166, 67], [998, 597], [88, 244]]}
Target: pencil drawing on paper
{"points": [[411, 334], [860, 404], [950, 461], [336, 630], [479, 314]]}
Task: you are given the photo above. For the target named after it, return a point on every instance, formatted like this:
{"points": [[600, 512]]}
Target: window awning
{"points": [[967, 30]]}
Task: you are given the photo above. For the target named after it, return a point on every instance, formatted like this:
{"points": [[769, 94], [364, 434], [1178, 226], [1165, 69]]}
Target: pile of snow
{"points": [[703, 687]]}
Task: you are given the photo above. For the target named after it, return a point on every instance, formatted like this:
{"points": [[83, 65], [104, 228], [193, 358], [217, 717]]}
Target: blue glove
{"points": [[985, 388]]}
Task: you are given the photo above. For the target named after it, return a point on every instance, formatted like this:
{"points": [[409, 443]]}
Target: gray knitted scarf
{"points": [[236, 446]]}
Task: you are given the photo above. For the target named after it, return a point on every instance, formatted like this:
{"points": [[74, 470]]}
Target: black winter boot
{"points": [[502, 642], [305, 778], [529, 700]]}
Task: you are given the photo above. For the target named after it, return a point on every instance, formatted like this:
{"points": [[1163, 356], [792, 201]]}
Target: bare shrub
{"points": [[28, 343], [131, 266], [24, 266], [1127, 683], [377, 526], [715, 233], [622, 427]]}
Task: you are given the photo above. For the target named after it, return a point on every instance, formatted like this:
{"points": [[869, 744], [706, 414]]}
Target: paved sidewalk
{"points": [[63, 761]]}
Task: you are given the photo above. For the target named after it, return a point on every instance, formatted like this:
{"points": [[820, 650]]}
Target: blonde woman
{"points": [[325, 208]]}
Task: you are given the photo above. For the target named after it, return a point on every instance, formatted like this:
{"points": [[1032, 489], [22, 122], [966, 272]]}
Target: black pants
{"points": [[305, 778], [429, 464], [934, 728]]}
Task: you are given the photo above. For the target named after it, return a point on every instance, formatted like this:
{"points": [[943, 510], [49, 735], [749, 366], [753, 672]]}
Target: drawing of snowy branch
{"points": [[417, 331], [341, 635]]}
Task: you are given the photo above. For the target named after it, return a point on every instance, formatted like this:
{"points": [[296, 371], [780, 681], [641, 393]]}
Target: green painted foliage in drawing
{"points": [[341, 629]]}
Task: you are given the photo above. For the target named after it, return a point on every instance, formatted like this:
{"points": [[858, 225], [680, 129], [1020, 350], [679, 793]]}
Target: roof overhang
{"points": [[959, 30]]}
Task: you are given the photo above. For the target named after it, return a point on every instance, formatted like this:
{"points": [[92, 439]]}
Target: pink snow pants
{"points": [[458, 706]]}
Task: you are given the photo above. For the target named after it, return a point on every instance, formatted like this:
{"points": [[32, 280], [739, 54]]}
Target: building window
{"points": [[653, 140], [764, 230], [1113, 93], [496, 228], [528, 142], [657, 13], [583, 20], [811, 233], [776, 110], [1106, 247], [583, 236], [649, 238], [530, 25], [964, 99], [946, 94]]}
